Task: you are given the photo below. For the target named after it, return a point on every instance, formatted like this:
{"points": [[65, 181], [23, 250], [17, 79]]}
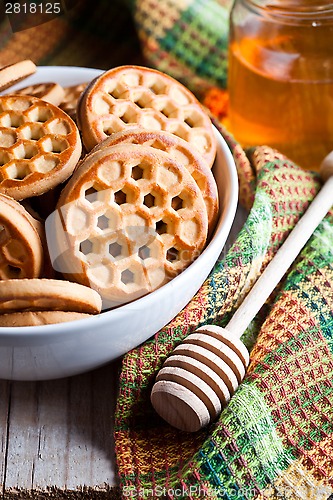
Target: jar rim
{"points": [[315, 11]]}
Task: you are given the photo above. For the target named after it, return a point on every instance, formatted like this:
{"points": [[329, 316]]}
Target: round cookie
{"points": [[47, 294], [40, 146], [21, 250], [128, 220], [49, 92], [71, 97], [131, 96], [38, 222], [182, 152], [14, 73], [37, 318]]}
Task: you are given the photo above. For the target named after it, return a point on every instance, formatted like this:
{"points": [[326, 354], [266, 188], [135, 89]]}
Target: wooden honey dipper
{"points": [[198, 379]]}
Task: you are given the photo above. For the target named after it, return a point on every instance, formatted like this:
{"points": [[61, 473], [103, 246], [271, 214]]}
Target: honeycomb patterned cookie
{"points": [[129, 220], [71, 97], [47, 295], [21, 251], [40, 146], [49, 92], [130, 96], [182, 152]]}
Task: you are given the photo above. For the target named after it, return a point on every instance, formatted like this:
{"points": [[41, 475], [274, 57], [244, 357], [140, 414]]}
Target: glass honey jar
{"points": [[280, 77]]}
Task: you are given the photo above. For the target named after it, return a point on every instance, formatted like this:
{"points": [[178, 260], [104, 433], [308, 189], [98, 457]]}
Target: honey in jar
{"points": [[280, 78]]}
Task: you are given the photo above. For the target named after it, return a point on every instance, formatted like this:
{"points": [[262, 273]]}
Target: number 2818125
{"points": [[33, 8]]}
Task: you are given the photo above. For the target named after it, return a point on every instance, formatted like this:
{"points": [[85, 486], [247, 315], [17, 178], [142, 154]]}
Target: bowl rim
{"points": [[230, 206]]}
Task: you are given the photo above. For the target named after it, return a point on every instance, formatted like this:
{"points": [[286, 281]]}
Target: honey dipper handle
{"points": [[282, 260]]}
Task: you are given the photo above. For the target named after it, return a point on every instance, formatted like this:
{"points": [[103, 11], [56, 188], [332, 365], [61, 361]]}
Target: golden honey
{"points": [[281, 77]]}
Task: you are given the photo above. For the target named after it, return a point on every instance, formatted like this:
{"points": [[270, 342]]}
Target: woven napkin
{"points": [[275, 438], [187, 39]]}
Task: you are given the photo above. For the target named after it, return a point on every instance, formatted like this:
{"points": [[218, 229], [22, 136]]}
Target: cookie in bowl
{"points": [[129, 96], [34, 344], [129, 220]]}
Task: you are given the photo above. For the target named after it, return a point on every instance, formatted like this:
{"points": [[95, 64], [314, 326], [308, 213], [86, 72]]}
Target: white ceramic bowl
{"points": [[53, 351]]}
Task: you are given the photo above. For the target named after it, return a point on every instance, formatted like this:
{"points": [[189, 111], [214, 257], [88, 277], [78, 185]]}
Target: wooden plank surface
{"points": [[57, 436]]}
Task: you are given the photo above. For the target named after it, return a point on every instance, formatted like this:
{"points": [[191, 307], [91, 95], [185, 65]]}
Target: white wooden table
{"points": [[57, 436]]}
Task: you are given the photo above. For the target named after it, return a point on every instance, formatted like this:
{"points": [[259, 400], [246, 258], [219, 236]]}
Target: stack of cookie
{"points": [[127, 216]]}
